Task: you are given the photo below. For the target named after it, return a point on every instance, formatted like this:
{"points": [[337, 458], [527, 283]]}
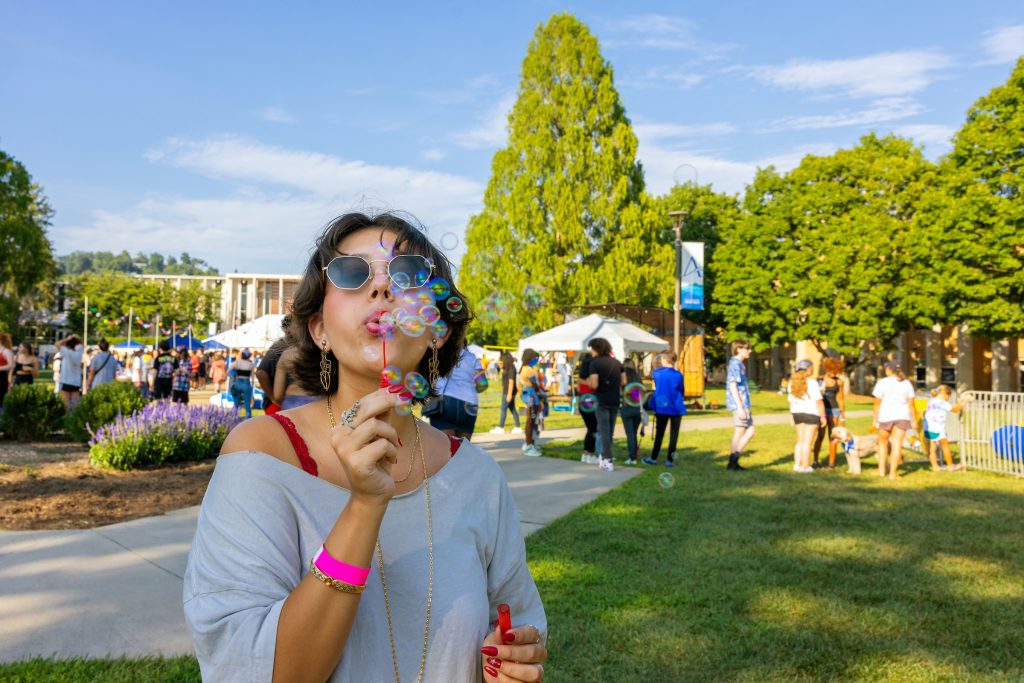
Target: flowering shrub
{"points": [[162, 432], [100, 406]]}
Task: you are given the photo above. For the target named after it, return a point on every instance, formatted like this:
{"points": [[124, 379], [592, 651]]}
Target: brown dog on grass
{"points": [[855, 447]]}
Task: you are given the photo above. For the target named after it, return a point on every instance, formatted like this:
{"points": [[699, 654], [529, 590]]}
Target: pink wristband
{"points": [[339, 570]]}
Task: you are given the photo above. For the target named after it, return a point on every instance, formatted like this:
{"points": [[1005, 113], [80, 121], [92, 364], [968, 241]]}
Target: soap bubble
{"points": [[533, 297], [588, 403], [527, 331], [633, 394], [439, 329], [403, 407], [454, 304], [666, 480], [449, 241], [430, 314], [392, 375], [371, 352], [480, 382], [413, 326], [424, 297], [402, 280], [472, 409], [417, 384], [440, 288]]}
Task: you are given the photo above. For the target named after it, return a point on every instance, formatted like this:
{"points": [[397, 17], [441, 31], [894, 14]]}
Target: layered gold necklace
{"points": [[430, 560]]}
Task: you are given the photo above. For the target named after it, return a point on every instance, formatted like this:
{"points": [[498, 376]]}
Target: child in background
{"points": [[935, 416]]}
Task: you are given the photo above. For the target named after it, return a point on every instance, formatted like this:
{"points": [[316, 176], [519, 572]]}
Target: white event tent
{"points": [[624, 337], [255, 334]]}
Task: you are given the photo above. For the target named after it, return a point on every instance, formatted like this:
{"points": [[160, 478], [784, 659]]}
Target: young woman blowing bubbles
{"points": [[345, 540]]}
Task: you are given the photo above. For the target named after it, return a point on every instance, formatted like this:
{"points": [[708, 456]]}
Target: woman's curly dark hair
{"points": [[309, 297]]}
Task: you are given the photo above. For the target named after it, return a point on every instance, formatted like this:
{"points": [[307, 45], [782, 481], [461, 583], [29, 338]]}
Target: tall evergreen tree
{"points": [[558, 191], [972, 221]]}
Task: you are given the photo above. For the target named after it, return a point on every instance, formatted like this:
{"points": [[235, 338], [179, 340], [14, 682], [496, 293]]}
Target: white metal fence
{"points": [[992, 432]]}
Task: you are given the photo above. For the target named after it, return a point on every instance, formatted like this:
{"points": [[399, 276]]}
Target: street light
{"points": [[677, 222]]}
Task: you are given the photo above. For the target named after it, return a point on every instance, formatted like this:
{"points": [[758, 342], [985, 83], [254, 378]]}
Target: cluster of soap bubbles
{"points": [[415, 383], [417, 310]]}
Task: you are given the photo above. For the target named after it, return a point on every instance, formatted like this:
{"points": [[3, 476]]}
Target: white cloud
{"points": [[935, 137], [661, 131], [1004, 44], [659, 32], [881, 75], [885, 109], [660, 77], [273, 202], [433, 154], [276, 115], [492, 131]]}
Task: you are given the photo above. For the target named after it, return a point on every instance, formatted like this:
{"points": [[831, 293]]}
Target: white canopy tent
{"points": [[255, 334], [624, 337]]}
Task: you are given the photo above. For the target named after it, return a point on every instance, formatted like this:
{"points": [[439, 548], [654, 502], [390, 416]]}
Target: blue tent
{"points": [[129, 345], [212, 344], [190, 343]]}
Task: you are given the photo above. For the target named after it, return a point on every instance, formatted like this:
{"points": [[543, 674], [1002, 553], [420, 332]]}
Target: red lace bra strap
{"points": [[455, 443], [301, 450]]}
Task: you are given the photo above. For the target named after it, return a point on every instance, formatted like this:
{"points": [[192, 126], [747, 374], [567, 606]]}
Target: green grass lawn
{"points": [[763, 575]]}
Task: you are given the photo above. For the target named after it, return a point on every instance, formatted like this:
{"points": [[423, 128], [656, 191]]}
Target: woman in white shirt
{"points": [[807, 413], [70, 379], [895, 415]]}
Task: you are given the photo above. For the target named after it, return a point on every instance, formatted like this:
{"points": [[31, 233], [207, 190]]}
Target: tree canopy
{"points": [[79, 262], [559, 192]]}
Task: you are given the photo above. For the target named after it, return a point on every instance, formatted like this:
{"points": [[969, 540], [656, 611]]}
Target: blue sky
{"points": [[235, 131]]}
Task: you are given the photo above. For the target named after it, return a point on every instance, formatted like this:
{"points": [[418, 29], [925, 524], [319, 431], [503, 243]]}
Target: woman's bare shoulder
{"points": [[261, 434]]}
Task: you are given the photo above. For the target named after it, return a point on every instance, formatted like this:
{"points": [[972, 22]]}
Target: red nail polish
{"points": [[496, 663], [489, 650], [400, 442], [492, 672], [407, 395], [398, 388], [509, 636]]}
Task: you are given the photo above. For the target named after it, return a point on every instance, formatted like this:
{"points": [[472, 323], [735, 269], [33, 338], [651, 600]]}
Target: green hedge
{"points": [[100, 407], [31, 412]]}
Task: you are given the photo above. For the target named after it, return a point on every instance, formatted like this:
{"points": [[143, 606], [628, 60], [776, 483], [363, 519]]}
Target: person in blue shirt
{"points": [[669, 408], [737, 400]]}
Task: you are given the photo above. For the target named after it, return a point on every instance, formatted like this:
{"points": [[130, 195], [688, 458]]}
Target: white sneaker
{"points": [[630, 461], [526, 447], [517, 430], [607, 465], [497, 430], [533, 452]]}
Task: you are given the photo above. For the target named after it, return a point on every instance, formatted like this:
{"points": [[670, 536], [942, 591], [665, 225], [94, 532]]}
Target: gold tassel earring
{"points": [[325, 366], [433, 363]]}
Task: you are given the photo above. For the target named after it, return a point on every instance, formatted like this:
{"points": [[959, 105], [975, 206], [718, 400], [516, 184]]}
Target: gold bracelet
{"points": [[337, 585]]}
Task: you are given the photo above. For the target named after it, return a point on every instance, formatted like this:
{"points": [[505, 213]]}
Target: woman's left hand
{"points": [[520, 658]]}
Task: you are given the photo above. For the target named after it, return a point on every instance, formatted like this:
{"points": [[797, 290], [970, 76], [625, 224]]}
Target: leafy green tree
{"points": [[80, 262], [559, 191], [833, 244], [971, 223], [26, 256]]}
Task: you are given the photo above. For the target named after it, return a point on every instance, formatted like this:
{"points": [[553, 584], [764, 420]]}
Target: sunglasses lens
{"points": [[408, 271], [348, 272]]}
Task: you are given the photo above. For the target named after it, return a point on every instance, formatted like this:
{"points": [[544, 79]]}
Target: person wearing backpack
{"points": [[102, 367], [165, 364]]}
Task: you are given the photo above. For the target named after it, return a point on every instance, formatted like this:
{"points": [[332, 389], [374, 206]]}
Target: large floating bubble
{"points": [[417, 384], [666, 480], [633, 394], [439, 329], [371, 352], [480, 382], [402, 280], [471, 409], [392, 375], [533, 297], [449, 241], [588, 403], [424, 297], [440, 288], [413, 326], [453, 304], [403, 407], [430, 314]]}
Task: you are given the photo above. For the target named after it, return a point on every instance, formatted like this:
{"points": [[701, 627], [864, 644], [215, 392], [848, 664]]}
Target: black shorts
{"points": [[70, 388], [455, 414], [179, 396], [806, 419], [162, 387]]}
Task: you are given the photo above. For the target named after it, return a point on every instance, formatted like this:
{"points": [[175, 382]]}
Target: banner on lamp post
{"points": [[691, 285]]}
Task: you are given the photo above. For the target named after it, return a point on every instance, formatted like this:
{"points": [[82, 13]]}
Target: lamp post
{"points": [[677, 222]]}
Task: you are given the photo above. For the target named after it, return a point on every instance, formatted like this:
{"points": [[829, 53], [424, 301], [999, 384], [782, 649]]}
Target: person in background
{"points": [[507, 363], [102, 367], [589, 419], [6, 364], [240, 384], [140, 373], [286, 390], [737, 401], [531, 389], [631, 415], [895, 415], [266, 374], [26, 365], [935, 417], [219, 371], [835, 406], [607, 379], [70, 381], [807, 413], [669, 405], [164, 366], [194, 363], [459, 401], [182, 377]]}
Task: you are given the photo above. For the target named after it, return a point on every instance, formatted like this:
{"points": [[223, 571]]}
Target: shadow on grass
{"points": [[766, 575]]}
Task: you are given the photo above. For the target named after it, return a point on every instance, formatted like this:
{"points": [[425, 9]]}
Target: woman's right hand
{"points": [[369, 449]]}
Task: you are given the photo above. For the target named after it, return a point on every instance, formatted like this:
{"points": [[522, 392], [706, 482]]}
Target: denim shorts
{"points": [[455, 414], [748, 421]]}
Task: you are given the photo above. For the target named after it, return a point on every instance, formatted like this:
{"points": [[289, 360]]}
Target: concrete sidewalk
{"points": [[116, 590]]}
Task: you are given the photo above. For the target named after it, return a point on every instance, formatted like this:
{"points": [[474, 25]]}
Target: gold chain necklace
{"points": [[430, 556]]}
